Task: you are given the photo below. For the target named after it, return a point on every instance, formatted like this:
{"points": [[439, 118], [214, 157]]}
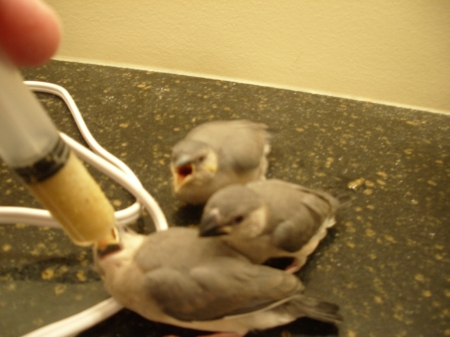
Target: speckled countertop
{"points": [[386, 263]]}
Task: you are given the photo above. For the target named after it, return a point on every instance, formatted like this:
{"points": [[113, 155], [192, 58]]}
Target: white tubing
{"points": [[93, 144], [116, 170], [79, 322], [136, 190], [42, 217], [82, 127]]}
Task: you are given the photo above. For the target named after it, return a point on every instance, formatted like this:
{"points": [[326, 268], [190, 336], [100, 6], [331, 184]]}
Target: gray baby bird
{"points": [[176, 277], [216, 154], [270, 219]]}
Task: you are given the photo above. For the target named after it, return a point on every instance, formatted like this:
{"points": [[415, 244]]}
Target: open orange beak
{"points": [[182, 172]]}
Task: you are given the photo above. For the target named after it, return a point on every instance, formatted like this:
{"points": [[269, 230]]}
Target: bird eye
{"points": [[239, 219], [201, 158]]}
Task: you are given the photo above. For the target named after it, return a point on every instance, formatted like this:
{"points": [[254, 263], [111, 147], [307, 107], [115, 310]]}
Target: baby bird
{"points": [[216, 154], [270, 219], [176, 277]]}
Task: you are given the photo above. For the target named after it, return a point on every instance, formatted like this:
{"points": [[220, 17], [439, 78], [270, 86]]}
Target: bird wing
{"points": [[221, 287], [329, 206], [292, 234], [297, 212]]}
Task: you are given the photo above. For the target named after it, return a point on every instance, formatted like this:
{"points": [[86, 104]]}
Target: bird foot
{"points": [[294, 267]]}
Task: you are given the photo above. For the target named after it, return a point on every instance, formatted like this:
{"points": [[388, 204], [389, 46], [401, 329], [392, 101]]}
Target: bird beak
{"points": [[211, 168], [182, 168], [210, 224], [105, 247], [213, 230]]}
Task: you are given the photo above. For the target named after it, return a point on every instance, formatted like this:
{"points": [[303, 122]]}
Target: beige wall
{"points": [[396, 52]]}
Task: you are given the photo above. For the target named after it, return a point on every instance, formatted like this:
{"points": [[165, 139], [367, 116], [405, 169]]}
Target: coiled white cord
{"points": [[116, 170]]}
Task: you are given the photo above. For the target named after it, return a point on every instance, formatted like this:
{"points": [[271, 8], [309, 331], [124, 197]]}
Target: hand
{"points": [[29, 31]]}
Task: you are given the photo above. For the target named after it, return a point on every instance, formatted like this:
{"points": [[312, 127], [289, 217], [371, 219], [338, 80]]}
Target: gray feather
{"points": [[175, 277], [291, 217], [312, 307], [296, 212], [217, 154], [238, 143], [210, 282]]}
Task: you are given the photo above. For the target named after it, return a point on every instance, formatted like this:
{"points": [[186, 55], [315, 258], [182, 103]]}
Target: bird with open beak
{"points": [[216, 154]]}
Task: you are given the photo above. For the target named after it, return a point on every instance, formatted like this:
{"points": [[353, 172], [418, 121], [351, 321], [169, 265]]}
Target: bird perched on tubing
{"points": [[270, 219], [216, 154], [175, 277]]}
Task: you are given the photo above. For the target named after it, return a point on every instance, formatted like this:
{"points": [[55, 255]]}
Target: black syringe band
{"points": [[47, 166]]}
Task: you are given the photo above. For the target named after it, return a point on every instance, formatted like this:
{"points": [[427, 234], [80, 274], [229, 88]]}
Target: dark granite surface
{"points": [[386, 262]]}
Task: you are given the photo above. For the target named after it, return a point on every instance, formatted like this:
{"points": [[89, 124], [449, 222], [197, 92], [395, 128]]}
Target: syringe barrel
{"points": [[27, 133], [31, 146], [74, 198]]}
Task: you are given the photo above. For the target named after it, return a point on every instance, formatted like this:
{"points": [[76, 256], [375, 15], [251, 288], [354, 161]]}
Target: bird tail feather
{"points": [[306, 306]]}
